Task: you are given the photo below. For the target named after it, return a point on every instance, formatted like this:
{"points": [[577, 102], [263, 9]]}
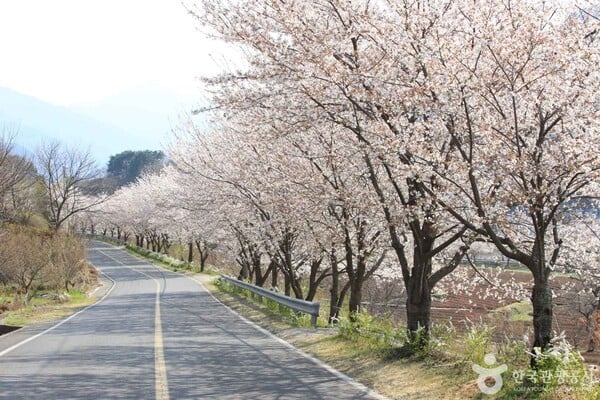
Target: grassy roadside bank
{"points": [[47, 307], [372, 351]]}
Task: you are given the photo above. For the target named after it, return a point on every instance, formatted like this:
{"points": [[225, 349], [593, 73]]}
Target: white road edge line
{"points": [[64, 321], [330, 369]]}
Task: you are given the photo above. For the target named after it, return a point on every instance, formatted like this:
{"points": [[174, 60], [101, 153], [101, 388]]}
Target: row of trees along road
{"points": [[385, 138]]}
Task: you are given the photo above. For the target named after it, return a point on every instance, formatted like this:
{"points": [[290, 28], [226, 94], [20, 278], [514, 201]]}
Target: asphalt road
{"points": [[161, 335]]}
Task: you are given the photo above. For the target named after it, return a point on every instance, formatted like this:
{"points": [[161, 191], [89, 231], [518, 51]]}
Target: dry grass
{"points": [[395, 379], [46, 310]]}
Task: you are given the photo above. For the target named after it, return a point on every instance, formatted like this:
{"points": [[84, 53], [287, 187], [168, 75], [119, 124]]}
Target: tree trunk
{"points": [[418, 304], [541, 299], [203, 251], [274, 276], [355, 296], [357, 273], [297, 288], [334, 311], [342, 296], [315, 278], [541, 294], [287, 285], [313, 283], [258, 274], [268, 272], [203, 258], [28, 293], [357, 280], [593, 329], [203, 262], [418, 289], [418, 315], [350, 271], [243, 275], [164, 244], [190, 256]]}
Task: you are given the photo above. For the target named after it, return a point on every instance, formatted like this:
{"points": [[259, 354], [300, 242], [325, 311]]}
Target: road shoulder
{"points": [[26, 333]]}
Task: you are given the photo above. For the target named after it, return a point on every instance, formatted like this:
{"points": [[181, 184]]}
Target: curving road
{"points": [[161, 335]]}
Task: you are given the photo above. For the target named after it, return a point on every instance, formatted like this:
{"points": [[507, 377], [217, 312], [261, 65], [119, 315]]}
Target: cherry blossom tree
{"points": [[519, 102], [258, 207], [343, 219], [335, 63]]}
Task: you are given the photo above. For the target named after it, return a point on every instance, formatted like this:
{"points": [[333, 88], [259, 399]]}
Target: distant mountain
{"points": [[140, 119], [35, 121]]}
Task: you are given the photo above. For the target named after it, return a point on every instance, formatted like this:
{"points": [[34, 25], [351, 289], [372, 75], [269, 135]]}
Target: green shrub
{"points": [[300, 320], [559, 365], [478, 341], [382, 335], [272, 305], [559, 373], [514, 352]]}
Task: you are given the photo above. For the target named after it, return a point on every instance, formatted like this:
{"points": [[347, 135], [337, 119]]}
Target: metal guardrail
{"points": [[311, 308]]}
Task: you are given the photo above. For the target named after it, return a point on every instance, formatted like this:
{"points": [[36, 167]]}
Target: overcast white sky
{"points": [[73, 51]]}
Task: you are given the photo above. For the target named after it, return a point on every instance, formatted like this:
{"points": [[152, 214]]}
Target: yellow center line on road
{"points": [[161, 384]]}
